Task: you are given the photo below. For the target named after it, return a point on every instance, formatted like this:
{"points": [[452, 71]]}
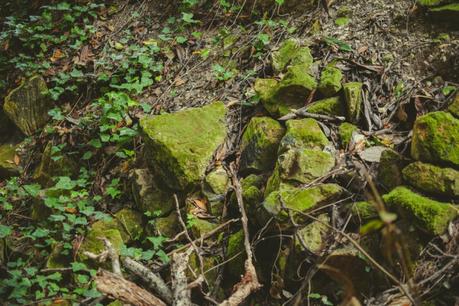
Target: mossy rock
{"points": [[436, 138], [447, 12], [430, 2], [200, 227], [148, 196], [57, 259], [127, 221], [299, 200], [266, 89], [304, 165], [390, 169], [433, 179], [288, 6], [93, 244], [252, 195], [312, 236], [291, 53], [454, 107], [28, 105], [50, 167], [353, 98], [429, 215], [330, 81], [294, 89], [6, 127], [364, 211], [259, 144], [209, 264], [168, 226], [7, 166], [331, 107], [215, 186], [303, 133], [236, 252], [345, 131], [179, 146]]}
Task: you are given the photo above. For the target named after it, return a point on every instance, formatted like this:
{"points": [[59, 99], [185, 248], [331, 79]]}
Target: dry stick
{"points": [[182, 294], [249, 281], [155, 282], [121, 289], [302, 112], [111, 253]]}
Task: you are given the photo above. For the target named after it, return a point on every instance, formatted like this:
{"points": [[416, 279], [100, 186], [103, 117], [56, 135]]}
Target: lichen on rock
{"points": [[353, 98], [28, 105], [433, 179], [436, 138], [215, 186], [429, 215], [312, 236], [259, 144], [179, 146]]}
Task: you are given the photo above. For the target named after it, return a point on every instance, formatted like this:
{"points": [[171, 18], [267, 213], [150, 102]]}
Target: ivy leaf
{"points": [[5, 231]]}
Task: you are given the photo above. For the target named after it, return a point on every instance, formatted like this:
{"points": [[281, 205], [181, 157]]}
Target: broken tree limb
{"points": [[182, 294], [108, 252], [154, 281], [119, 288], [249, 282], [303, 113]]}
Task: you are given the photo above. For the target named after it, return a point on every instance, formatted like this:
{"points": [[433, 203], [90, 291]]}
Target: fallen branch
{"points": [[249, 282], [155, 282], [182, 294], [121, 289], [109, 252], [303, 113]]}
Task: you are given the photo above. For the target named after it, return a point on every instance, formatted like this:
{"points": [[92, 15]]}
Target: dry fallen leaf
{"points": [[57, 55]]}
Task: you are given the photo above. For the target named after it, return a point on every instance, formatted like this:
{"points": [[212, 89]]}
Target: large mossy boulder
{"points": [[148, 196], [8, 168], [28, 105], [259, 144], [299, 200], [436, 139], [331, 107], [353, 98], [303, 133], [330, 81], [429, 215], [179, 146], [433, 179], [291, 53], [51, 166]]}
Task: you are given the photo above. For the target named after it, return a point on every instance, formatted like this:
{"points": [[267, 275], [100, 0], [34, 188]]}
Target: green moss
{"points": [[435, 139], [364, 210], [201, 227], [266, 90], [215, 186], [429, 215], [49, 167], [330, 81], [430, 2], [235, 250], [57, 258], [168, 226], [291, 53], [453, 7], [332, 107], [259, 144], [180, 145], [7, 166], [28, 105], [93, 244], [353, 98], [299, 200], [294, 89], [342, 21], [148, 196], [313, 235], [128, 222], [390, 169], [433, 179], [304, 165], [303, 133], [454, 107], [346, 130]]}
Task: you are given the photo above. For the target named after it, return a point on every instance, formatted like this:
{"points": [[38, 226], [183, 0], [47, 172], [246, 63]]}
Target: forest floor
{"points": [[170, 58]]}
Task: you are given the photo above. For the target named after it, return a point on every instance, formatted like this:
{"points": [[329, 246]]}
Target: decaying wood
{"points": [[155, 282], [124, 290], [182, 293], [249, 282]]}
